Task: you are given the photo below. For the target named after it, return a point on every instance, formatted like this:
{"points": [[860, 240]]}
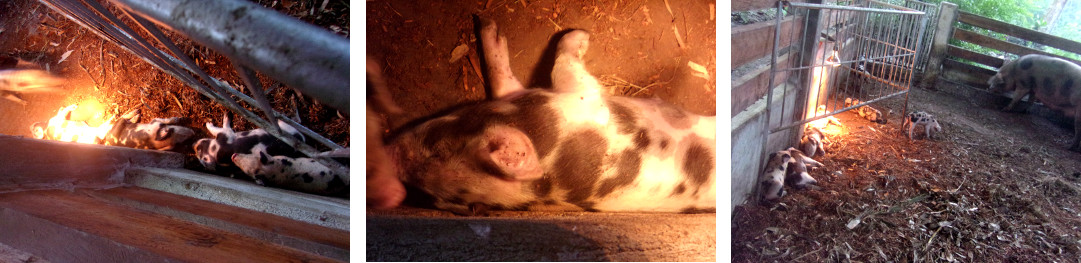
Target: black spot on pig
{"points": [[580, 159], [674, 116], [287, 163], [641, 139], [698, 164], [307, 178], [664, 143], [679, 189], [550, 202], [543, 186], [1026, 64], [335, 184], [538, 121], [623, 115], [628, 165]]}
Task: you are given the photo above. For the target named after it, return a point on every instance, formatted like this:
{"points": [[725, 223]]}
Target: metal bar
{"points": [[305, 57], [123, 37], [864, 9], [789, 126]]}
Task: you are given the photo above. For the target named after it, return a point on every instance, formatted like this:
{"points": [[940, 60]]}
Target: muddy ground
{"points": [[992, 187], [99, 70]]}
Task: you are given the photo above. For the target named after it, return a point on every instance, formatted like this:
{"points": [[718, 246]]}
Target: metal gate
{"points": [[865, 50]]}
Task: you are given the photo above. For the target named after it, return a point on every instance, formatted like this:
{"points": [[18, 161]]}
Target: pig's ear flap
{"points": [[509, 153], [263, 158]]}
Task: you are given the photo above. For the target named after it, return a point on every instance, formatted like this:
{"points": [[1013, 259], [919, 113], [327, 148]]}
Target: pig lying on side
{"points": [[159, 134], [215, 153], [788, 167], [1052, 81], [568, 148], [301, 174]]}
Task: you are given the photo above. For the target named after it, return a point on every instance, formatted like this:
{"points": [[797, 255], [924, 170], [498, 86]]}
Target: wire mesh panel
{"points": [[864, 50]]}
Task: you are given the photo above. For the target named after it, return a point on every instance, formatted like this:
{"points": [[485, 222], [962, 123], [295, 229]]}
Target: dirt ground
{"points": [[992, 187], [102, 71], [634, 49]]}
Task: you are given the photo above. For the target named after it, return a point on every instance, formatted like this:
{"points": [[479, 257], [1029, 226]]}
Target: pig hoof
{"points": [[575, 42]]}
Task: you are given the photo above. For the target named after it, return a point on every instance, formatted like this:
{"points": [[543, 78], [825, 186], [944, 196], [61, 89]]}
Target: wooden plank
{"points": [[959, 52], [990, 42], [1020, 32], [145, 231], [754, 41], [227, 216], [753, 86], [969, 74], [753, 5]]}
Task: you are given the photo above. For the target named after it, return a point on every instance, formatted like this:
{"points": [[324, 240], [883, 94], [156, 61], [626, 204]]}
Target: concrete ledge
{"points": [[41, 164], [532, 236], [312, 209]]}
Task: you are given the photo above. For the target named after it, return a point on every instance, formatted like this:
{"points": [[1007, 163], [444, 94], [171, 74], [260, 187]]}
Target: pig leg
{"points": [[500, 77], [1020, 91], [1074, 143], [569, 73]]}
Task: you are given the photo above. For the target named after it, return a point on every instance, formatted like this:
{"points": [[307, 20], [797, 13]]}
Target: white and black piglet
{"points": [[301, 174], [215, 153]]}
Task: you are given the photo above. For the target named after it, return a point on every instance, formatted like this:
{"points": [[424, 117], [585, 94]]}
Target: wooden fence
{"points": [[943, 61]]}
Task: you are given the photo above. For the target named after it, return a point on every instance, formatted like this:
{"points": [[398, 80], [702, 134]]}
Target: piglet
{"points": [[301, 174]]}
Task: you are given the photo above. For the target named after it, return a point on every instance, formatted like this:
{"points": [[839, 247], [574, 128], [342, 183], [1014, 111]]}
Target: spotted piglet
{"points": [[797, 174], [788, 167], [301, 174], [568, 148], [159, 134], [771, 182], [813, 141], [215, 153], [921, 118]]}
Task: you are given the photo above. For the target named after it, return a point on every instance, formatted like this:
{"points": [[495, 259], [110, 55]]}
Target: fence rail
{"points": [[945, 60]]}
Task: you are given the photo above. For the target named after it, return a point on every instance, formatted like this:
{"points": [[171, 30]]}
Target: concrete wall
{"points": [[748, 127]]}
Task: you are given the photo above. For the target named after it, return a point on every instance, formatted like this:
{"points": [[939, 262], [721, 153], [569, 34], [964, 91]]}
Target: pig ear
{"points": [[263, 158], [163, 132], [214, 130], [509, 151]]}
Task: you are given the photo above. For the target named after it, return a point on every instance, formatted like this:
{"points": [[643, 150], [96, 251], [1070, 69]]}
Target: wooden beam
{"points": [[752, 5], [990, 42], [1020, 32], [947, 14], [965, 73], [754, 41], [959, 52], [751, 87]]}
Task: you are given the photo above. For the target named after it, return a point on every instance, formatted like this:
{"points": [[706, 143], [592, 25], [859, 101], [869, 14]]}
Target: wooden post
{"points": [[807, 52], [947, 15]]}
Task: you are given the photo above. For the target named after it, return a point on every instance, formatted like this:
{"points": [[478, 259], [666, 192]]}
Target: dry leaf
{"points": [[64, 56], [699, 70], [458, 52], [852, 223]]}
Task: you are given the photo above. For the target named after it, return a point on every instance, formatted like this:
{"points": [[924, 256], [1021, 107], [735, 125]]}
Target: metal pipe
{"points": [[303, 56]]}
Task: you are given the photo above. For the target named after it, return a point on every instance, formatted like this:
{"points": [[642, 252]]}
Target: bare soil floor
{"points": [[99, 70], [992, 187]]}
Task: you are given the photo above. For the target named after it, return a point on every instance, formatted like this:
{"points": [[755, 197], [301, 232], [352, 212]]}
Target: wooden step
{"points": [[83, 226], [329, 242]]}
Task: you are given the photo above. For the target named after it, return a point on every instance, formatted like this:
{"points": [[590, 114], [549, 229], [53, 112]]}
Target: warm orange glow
{"points": [[82, 122]]}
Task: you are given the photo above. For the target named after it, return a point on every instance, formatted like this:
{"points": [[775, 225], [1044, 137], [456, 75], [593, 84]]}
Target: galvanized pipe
{"points": [[303, 56]]}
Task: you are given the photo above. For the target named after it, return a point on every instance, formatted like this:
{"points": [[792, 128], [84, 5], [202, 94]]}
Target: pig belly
{"points": [[658, 158]]}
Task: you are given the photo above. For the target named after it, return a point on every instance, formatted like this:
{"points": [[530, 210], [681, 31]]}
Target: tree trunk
{"points": [[1052, 15]]}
